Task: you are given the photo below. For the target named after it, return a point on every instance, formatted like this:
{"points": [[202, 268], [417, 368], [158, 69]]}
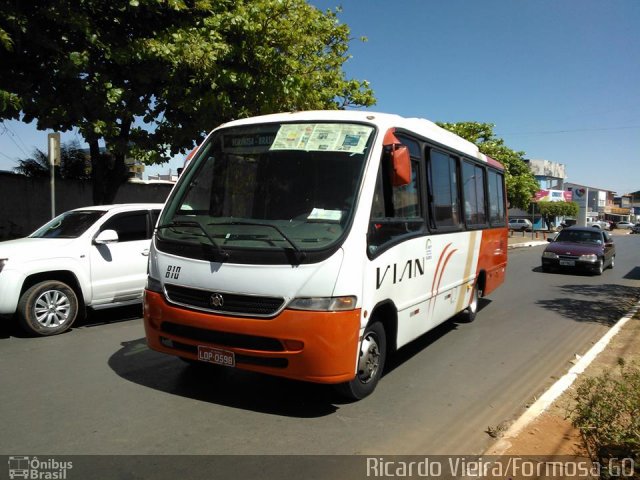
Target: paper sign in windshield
{"points": [[325, 215], [330, 137]]}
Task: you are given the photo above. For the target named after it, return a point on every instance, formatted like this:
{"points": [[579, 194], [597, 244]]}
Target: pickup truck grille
{"points": [[569, 257], [224, 303]]}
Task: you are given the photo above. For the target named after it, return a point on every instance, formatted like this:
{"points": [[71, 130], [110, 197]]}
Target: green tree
{"points": [[74, 164], [151, 77], [9, 102], [521, 184], [551, 210]]}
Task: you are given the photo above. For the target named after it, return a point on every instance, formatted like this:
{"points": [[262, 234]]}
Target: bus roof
{"points": [[384, 121]]}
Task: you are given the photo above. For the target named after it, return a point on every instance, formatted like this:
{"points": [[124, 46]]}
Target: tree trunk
{"points": [[108, 172]]}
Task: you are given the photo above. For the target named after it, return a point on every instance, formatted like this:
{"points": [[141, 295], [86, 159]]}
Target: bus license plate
{"points": [[217, 356], [568, 263]]}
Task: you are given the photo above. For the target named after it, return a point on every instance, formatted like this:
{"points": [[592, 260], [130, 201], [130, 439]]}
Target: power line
{"points": [[7, 156], [11, 137], [17, 136], [551, 132]]}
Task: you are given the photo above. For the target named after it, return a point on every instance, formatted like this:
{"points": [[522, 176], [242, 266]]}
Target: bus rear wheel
{"points": [[373, 354], [469, 314]]}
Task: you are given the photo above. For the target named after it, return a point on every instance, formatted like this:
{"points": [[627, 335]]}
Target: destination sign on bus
{"points": [[248, 141]]}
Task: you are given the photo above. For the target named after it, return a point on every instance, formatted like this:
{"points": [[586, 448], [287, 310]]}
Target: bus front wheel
{"points": [[373, 353]]}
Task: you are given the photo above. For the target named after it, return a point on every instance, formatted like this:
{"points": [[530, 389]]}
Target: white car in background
{"points": [[601, 224], [520, 224], [624, 224], [92, 257]]}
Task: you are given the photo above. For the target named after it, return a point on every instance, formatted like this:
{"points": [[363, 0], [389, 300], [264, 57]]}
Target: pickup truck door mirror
{"points": [[105, 237]]}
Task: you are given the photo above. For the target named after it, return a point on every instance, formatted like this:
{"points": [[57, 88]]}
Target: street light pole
{"points": [[54, 159]]}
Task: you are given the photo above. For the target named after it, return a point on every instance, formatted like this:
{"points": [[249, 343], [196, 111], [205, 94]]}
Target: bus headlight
{"points": [[324, 304]]}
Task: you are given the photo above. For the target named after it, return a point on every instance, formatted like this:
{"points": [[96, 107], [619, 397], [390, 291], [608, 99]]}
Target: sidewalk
{"points": [[539, 237], [528, 239]]}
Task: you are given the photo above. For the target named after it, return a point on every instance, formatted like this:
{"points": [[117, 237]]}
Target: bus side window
{"points": [[444, 208], [396, 210], [474, 195], [496, 199]]}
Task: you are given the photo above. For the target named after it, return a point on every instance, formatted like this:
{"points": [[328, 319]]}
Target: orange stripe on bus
{"points": [[435, 274]]}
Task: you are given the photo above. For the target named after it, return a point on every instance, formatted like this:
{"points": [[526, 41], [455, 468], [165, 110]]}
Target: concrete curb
{"points": [[548, 397], [534, 243]]}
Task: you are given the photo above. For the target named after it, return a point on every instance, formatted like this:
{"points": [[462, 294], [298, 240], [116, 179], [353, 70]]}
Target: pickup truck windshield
{"points": [[271, 187], [69, 224]]}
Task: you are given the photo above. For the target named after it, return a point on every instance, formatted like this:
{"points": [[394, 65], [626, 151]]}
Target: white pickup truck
{"points": [[89, 257], [601, 224]]}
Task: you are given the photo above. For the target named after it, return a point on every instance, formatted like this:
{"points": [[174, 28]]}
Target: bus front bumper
{"points": [[311, 346]]}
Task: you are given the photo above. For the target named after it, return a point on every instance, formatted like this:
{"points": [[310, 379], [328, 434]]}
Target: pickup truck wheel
{"points": [[48, 308]]}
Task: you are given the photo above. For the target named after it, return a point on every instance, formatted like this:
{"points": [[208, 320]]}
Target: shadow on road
{"points": [[242, 389], [409, 351], [634, 274], [424, 341], [603, 304], [110, 315], [222, 385], [9, 325]]}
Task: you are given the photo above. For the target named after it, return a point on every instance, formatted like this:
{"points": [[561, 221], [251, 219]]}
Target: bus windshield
{"points": [[269, 187]]}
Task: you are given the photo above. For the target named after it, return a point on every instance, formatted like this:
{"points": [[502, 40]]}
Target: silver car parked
{"points": [[520, 224]]}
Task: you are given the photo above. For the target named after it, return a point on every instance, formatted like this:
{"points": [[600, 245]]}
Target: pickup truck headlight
{"points": [[3, 262], [589, 258], [549, 255], [324, 304]]}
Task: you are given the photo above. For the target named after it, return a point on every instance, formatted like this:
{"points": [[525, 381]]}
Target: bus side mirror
{"points": [[400, 165]]}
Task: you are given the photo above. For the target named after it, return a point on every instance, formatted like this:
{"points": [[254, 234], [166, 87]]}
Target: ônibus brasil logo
{"points": [[38, 469]]}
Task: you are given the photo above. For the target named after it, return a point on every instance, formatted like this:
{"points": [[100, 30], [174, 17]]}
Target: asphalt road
{"points": [[98, 390]]}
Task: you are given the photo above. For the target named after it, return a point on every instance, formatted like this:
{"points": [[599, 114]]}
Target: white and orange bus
{"points": [[310, 245]]}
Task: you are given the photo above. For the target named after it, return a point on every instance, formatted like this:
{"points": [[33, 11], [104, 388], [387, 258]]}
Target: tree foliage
{"points": [[74, 164], [9, 102], [150, 77], [550, 210], [521, 184], [558, 209]]}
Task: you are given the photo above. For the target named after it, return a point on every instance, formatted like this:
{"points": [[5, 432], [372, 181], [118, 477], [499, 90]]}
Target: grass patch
{"points": [[606, 410]]}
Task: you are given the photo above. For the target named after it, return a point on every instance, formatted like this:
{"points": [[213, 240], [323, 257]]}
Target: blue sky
{"points": [[560, 79]]}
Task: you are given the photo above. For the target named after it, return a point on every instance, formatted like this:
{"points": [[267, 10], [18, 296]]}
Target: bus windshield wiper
{"points": [[183, 223], [300, 255]]}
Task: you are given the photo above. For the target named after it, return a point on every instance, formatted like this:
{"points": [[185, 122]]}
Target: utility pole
{"points": [[54, 160]]}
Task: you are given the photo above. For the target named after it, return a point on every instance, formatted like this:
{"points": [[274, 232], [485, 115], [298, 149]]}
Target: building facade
{"points": [[597, 204]]}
